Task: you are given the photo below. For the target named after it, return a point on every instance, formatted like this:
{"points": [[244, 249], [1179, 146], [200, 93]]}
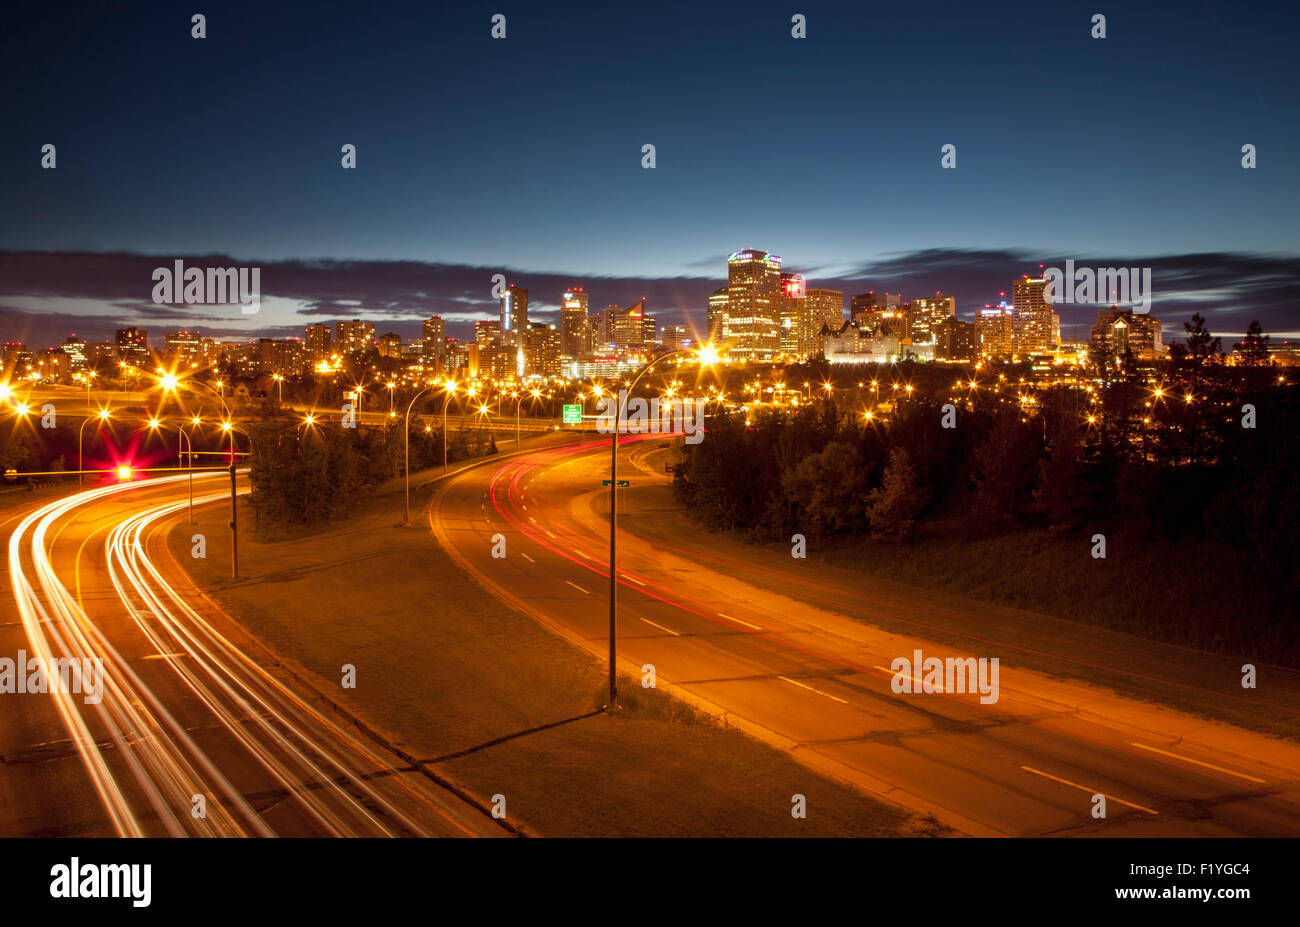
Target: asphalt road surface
{"points": [[810, 673], [191, 715]]}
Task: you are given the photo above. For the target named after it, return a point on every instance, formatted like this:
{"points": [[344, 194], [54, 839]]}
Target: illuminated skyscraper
{"points": [[717, 315], [793, 321], [1032, 323], [753, 321], [993, 325], [926, 315], [434, 337], [575, 332], [825, 307], [319, 342], [353, 336]]}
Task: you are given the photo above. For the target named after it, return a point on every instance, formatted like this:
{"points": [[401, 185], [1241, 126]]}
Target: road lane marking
{"points": [[916, 682], [661, 627], [1187, 759], [632, 578], [1084, 788], [163, 656], [579, 588], [795, 682], [739, 621], [552, 534], [583, 553], [526, 557]]}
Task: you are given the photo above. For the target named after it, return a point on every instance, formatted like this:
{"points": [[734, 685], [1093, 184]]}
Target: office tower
{"points": [[626, 327], [676, 337], [1032, 321], [75, 348], [753, 318], [955, 340], [487, 333], [575, 330], [389, 344], [514, 314], [542, 350], [597, 333], [792, 314], [319, 343], [433, 336], [717, 320], [926, 315], [1121, 330], [181, 349], [353, 336], [994, 325], [132, 345]]}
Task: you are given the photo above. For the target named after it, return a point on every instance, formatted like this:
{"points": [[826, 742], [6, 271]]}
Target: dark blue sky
{"points": [[525, 153]]}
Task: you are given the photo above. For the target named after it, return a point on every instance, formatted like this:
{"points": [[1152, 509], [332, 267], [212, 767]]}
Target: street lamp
{"points": [[450, 387], [707, 357], [406, 439], [102, 415], [157, 425]]}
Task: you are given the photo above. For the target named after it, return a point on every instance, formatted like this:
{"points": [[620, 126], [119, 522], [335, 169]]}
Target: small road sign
{"points": [[621, 483], [572, 415]]}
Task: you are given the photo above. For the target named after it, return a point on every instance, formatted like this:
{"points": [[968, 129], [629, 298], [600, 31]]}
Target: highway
{"points": [[197, 732], [789, 653]]}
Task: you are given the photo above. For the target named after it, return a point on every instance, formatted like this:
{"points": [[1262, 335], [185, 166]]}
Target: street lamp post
{"points": [[451, 390], [102, 415], [406, 434], [707, 355]]}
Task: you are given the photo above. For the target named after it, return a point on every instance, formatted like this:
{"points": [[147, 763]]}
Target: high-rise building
{"points": [[793, 337], [676, 337], [575, 330], [955, 340], [825, 308], [132, 345], [389, 344], [181, 349], [514, 314], [541, 350], [434, 338], [487, 333], [319, 342], [753, 321], [717, 320], [1121, 331], [926, 315], [626, 327], [1032, 316], [75, 348], [994, 326], [353, 336], [598, 332]]}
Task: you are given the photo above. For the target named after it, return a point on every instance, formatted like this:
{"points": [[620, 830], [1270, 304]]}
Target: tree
{"points": [[892, 507], [1254, 347]]}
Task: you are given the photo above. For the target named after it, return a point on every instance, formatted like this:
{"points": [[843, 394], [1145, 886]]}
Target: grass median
{"points": [[493, 701]]}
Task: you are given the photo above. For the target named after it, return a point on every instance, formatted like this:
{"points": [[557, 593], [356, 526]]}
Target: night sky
{"points": [[524, 155]]}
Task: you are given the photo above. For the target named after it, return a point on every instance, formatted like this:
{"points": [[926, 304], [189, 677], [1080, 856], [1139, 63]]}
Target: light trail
{"points": [[337, 779]]}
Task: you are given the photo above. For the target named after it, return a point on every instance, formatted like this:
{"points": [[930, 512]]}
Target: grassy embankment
{"points": [[445, 671]]}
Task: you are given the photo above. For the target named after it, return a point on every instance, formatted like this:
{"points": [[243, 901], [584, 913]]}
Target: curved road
{"points": [[784, 654], [191, 715]]}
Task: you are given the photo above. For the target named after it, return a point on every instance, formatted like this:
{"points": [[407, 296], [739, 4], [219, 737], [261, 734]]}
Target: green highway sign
{"points": [[620, 482], [573, 415]]}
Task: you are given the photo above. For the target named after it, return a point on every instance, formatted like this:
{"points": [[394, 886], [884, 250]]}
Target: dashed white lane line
{"points": [[1084, 788], [579, 588], [526, 557], [1186, 759], [740, 621], [661, 627], [795, 682]]}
